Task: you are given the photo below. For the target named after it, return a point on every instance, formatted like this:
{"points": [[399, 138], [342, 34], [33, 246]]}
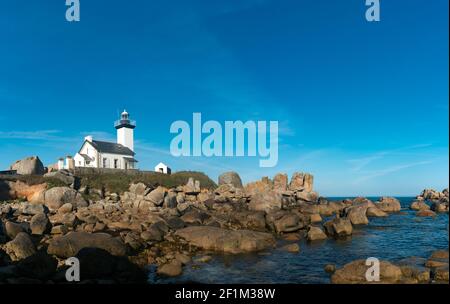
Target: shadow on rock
{"points": [[99, 264]]}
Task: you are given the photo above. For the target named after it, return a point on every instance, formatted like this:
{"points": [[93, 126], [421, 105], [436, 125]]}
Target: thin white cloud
{"points": [[99, 135], [302, 160], [53, 136], [360, 163], [389, 170], [149, 147], [31, 135]]}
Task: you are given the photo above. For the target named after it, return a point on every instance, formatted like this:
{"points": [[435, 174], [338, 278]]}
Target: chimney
{"points": [[88, 138]]}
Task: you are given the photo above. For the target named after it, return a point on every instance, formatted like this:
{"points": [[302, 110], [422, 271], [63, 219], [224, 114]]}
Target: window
{"points": [[105, 162], [88, 162], [116, 163]]}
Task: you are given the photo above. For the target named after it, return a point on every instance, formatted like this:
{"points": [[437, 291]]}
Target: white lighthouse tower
{"points": [[125, 130]]}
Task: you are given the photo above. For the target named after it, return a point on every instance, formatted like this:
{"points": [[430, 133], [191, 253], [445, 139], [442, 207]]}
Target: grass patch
{"points": [[34, 180], [119, 182]]}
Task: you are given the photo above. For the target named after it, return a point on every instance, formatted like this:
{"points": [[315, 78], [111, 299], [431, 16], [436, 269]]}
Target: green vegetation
{"points": [[119, 182], [34, 180]]}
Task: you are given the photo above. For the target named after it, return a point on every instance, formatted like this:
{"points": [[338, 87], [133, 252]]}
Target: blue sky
{"points": [[363, 106]]}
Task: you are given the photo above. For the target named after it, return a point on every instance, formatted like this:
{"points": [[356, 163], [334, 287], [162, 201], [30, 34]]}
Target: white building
{"points": [[163, 168], [68, 164], [102, 154]]}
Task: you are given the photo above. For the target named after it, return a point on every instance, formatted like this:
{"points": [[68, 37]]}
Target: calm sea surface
{"points": [[399, 236]]}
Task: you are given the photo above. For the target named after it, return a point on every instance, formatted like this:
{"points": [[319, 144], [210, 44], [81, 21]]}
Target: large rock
{"points": [[21, 190], [375, 212], [230, 178], [62, 175], [357, 214], [339, 228], [266, 201], [170, 201], [316, 234], [280, 182], [67, 219], [152, 234], [330, 208], [389, 204], [419, 205], [439, 264], [426, 213], [13, 229], [283, 221], [308, 182], [441, 274], [139, 189], [194, 217], [301, 182], [355, 273], [39, 224], [171, 269], [440, 255], [66, 208], [224, 193], [292, 248], [70, 244], [28, 166], [258, 187], [54, 198], [307, 196], [413, 270], [438, 259], [21, 247], [433, 195], [439, 207], [192, 187], [227, 241], [315, 218], [251, 220], [33, 209]]}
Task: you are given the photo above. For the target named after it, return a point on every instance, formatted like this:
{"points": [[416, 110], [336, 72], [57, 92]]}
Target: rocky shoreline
{"points": [[116, 236]]}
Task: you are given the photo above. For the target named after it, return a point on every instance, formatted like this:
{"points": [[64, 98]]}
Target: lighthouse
{"points": [[125, 130], [109, 155]]}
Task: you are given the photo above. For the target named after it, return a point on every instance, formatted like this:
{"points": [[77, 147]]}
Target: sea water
{"points": [[401, 235]]}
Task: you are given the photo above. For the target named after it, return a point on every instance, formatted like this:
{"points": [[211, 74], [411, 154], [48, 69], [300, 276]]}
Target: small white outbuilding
{"points": [[163, 168]]}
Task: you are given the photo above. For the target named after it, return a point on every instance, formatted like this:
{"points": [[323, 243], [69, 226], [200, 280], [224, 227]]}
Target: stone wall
{"points": [[83, 170]]}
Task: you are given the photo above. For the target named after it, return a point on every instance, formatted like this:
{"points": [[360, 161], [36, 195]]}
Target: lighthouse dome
{"points": [[124, 115], [124, 121]]}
